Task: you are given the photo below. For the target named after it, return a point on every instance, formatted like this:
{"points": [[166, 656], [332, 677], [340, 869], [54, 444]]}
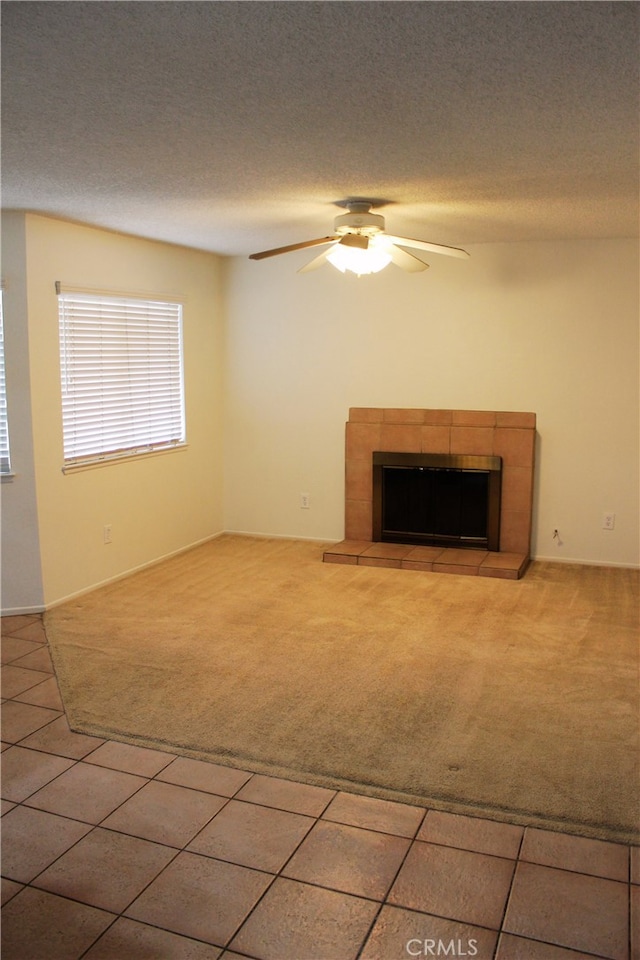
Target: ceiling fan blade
{"points": [[290, 248], [317, 261], [406, 261], [432, 247]]}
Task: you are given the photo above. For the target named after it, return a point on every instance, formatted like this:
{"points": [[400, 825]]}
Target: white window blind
{"points": [[121, 371], [5, 459]]}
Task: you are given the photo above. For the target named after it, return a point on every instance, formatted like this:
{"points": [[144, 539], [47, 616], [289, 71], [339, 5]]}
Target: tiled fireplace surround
{"points": [[479, 432]]}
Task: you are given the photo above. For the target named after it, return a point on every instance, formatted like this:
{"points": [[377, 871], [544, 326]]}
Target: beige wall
{"points": [[274, 361], [156, 505], [545, 327]]}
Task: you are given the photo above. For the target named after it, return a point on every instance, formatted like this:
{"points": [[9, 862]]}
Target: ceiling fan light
{"points": [[355, 240], [358, 261]]}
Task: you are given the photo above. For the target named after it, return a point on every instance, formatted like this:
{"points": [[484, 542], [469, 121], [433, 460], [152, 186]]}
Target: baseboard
{"points": [[22, 611], [282, 536], [131, 571], [588, 563]]}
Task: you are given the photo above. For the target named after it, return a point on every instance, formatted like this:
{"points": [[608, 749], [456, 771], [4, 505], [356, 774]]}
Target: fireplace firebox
{"points": [[437, 499]]}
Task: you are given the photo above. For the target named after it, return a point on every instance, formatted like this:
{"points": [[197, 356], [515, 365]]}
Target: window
{"points": [[5, 459], [121, 371]]}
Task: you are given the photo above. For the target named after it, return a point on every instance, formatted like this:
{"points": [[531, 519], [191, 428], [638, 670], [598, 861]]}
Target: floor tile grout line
{"points": [[630, 917], [385, 901], [178, 756], [38, 644], [121, 914], [23, 802], [105, 766], [251, 910], [280, 875], [382, 833], [75, 764], [117, 915], [17, 743], [55, 860], [13, 635], [30, 616], [455, 846], [50, 753], [23, 656], [160, 843], [437, 916], [276, 876], [577, 873], [509, 892], [20, 693], [99, 937], [65, 896], [579, 952], [147, 885], [335, 793], [152, 926], [371, 928], [99, 826], [308, 833]]}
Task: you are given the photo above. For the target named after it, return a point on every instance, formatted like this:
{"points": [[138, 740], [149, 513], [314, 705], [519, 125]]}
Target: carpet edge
{"points": [[518, 818]]}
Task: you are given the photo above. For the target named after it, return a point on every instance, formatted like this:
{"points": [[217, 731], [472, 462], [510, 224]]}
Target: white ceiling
{"points": [[236, 126]]}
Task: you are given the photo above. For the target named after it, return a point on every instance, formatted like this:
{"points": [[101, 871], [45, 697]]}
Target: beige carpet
{"points": [[515, 700]]}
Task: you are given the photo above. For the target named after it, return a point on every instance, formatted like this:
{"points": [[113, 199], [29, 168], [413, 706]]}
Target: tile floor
{"points": [[115, 852]]}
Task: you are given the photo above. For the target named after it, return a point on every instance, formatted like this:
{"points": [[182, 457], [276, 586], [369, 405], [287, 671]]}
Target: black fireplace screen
{"points": [[437, 499]]}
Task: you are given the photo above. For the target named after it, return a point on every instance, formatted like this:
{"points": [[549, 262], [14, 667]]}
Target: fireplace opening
{"points": [[437, 499]]}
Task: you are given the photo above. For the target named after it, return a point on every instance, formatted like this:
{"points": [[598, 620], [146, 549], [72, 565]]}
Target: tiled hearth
{"points": [[483, 563], [509, 435]]}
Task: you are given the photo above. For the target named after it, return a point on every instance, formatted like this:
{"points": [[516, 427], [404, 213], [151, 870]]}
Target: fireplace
{"points": [[508, 436], [442, 500]]}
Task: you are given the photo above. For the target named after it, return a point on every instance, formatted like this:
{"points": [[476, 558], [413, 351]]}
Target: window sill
{"points": [[124, 458]]}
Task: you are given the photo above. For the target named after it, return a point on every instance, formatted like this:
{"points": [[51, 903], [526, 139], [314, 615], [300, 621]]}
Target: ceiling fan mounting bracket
{"points": [[359, 206], [362, 204]]}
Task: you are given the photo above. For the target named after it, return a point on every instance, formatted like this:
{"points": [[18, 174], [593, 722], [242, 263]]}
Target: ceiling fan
{"points": [[360, 244]]}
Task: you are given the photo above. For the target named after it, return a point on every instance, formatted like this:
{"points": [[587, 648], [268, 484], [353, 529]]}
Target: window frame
{"points": [[6, 471]]}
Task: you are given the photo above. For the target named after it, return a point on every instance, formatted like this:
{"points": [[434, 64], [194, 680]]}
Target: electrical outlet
{"points": [[305, 501], [608, 521], [107, 533]]}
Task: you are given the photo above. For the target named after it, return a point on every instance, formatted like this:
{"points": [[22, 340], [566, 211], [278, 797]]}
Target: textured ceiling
{"points": [[233, 127]]}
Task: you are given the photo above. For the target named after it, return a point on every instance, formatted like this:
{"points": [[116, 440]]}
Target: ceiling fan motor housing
{"points": [[360, 222]]}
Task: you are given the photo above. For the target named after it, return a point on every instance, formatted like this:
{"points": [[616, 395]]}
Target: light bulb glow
{"points": [[360, 262]]}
